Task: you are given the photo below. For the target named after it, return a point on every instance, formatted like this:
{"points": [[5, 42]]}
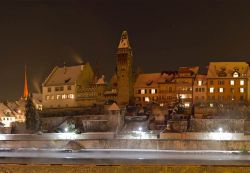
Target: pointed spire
{"points": [[25, 90], [124, 42]]}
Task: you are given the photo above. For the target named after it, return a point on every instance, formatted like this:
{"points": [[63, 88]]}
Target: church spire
{"points": [[25, 89], [124, 42]]}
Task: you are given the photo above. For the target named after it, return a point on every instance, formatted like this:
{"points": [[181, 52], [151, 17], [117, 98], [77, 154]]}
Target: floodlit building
{"points": [[227, 82], [146, 88], [72, 86]]}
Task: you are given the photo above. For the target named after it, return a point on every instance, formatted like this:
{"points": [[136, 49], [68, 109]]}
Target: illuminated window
{"points": [[242, 82], [211, 90], [143, 91], [153, 91], [58, 97], [211, 105], [186, 105], [241, 90], [71, 96], [199, 82], [69, 87], [231, 82], [64, 96], [52, 97], [47, 98], [221, 90], [161, 104], [146, 99], [235, 74]]}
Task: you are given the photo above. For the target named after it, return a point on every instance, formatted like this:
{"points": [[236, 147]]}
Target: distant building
{"points": [[200, 90], [227, 82], [124, 65], [72, 86], [184, 84], [146, 88]]}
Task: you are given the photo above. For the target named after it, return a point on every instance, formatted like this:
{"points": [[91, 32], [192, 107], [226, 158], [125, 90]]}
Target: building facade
{"points": [[227, 82], [200, 90]]}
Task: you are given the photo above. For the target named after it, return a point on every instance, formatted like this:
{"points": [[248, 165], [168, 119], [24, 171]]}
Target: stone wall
{"points": [[212, 125], [133, 144]]}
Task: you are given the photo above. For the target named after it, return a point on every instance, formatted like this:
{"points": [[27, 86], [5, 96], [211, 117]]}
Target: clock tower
{"points": [[124, 70]]}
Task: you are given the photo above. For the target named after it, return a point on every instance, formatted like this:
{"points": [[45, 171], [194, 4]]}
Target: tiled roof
{"points": [[226, 69], [63, 75], [147, 80]]}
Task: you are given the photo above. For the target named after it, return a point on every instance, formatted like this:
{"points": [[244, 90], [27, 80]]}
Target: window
{"points": [[241, 98], [211, 90], [64, 96], [143, 91], [61, 88], [221, 90], [220, 82], [203, 89], [235, 74], [58, 97], [47, 97], [232, 90], [196, 89], [146, 99], [199, 82], [242, 82], [153, 91], [241, 90], [49, 90], [52, 97], [57, 88], [231, 82], [199, 89], [71, 96], [186, 104], [69, 87], [211, 82]]}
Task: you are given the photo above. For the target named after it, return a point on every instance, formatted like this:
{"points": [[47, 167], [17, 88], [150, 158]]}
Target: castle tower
{"points": [[25, 89], [124, 70]]}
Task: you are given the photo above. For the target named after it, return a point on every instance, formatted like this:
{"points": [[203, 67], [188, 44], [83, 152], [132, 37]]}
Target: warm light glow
{"points": [[142, 91], [221, 90], [58, 97], [187, 105], [241, 90], [146, 99], [231, 82], [153, 91], [161, 104], [235, 74], [64, 96], [242, 82], [199, 82], [211, 105], [211, 90]]}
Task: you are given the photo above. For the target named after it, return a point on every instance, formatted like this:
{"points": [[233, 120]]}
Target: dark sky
{"points": [[163, 34]]}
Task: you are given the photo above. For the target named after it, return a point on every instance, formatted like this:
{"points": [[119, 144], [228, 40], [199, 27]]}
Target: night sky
{"points": [[163, 34]]}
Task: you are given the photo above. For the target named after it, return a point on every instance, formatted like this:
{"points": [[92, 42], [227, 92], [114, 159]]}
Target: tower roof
{"points": [[124, 42], [25, 89]]}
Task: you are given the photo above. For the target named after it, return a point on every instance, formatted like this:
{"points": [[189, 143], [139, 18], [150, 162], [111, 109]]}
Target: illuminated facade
{"points": [[200, 90], [227, 82], [73, 86]]}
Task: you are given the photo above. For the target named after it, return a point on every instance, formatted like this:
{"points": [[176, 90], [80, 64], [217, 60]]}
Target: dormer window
{"points": [[236, 74]]}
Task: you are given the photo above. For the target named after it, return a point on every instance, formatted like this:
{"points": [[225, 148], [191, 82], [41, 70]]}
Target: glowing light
{"points": [[66, 129], [220, 130]]}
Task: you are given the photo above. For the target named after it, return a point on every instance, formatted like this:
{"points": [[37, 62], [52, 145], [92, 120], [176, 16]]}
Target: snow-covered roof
{"points": [[100, 81], [124, 42], [188, 71], [226, 69], [114, 107], [147, 80]]}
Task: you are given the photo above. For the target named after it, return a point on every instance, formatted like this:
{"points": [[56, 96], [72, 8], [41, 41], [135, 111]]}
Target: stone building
{"points": [[72, 86], [124, 70], [227, 82]]}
